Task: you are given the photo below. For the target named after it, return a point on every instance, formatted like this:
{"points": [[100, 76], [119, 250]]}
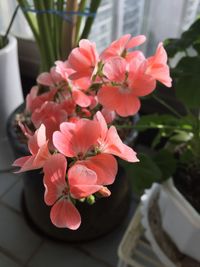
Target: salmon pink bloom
{"points": [[76, 139], [79, 140], [83, 60], [157, 66], [120, 46], [132, 80], [63, 213], [110, 142], [104, 165], [35, 101], [51, 115], [82, 181], [38, 146], [50, 79]]}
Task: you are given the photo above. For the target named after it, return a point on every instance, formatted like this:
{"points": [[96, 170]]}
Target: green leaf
{"points": [[188, 90], [181, 137], [142, 174], [166, 162], [187, 85]]}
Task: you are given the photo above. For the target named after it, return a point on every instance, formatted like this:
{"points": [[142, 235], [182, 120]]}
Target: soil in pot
{"points": [[187, 181], [164, 241]]}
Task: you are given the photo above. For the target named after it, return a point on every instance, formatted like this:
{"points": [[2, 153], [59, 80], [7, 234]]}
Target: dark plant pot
{"points": [[97, 219]]}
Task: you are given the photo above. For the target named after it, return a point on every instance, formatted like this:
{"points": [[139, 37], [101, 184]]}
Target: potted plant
{"points": [[58, 26], [9, 76], [70, 122], [178, 156]]}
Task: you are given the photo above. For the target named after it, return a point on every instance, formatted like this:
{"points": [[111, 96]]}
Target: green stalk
{"points": [[167, 106], [93, 9], [30, 19], [79, 20], [46, 41], [58, 21]]}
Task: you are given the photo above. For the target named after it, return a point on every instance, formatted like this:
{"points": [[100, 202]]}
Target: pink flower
{"points": [[120, 46], [63, 213], [76, 139], [63, 68], [110, 142], [82, 181], [51, 115], [131, 80], [79, 140], [38, 146], [157, 66], [120, 97], [49, 79], [83, 60], [35, 101]]}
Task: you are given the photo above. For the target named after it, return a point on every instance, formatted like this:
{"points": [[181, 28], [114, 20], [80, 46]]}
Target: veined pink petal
{"points": [[121, 100], [109, 115], [54, 178], [157, 66], [45, 79], [115, 69], [114, 145], [116, 48], [141, 83], [82, 181], [104, 165], [42, 155], [75, 139], [37, 140], [65, 215], [81, 98], [28, 164], [102, 123], [135, 41]]}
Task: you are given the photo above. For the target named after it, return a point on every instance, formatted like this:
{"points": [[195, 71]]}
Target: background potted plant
{"points": [[9, 68], [10, 86], [178, 146], [58, 26], [65, 121]]}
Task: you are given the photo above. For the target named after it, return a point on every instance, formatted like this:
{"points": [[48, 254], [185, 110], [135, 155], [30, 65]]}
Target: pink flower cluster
{"points": [[72, 142]]}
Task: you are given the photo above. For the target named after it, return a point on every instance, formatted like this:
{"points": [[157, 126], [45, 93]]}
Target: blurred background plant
{"points": [[58, 25]]}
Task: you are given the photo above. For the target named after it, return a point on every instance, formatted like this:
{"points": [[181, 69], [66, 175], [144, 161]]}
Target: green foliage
{"points": [[181, 133], [143, 173]]}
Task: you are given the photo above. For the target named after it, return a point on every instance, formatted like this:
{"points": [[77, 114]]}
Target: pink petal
{"points": [[45, 79], [37, 140], [63, 140], [104, 165], [54, 178], [158, 68], [135, 41], [76, 139], [102, 123], [82, 181], [26, 164], [116, 48], [65, 215], [123, 101], [115, 69], [115, 146], [81, 98]]}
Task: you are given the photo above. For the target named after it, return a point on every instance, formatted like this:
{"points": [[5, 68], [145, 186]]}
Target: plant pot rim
{"points": [[9, 46], [181, 202]]}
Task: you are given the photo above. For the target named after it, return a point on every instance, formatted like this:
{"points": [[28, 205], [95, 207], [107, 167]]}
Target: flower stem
{"points": [[161, 101]]}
